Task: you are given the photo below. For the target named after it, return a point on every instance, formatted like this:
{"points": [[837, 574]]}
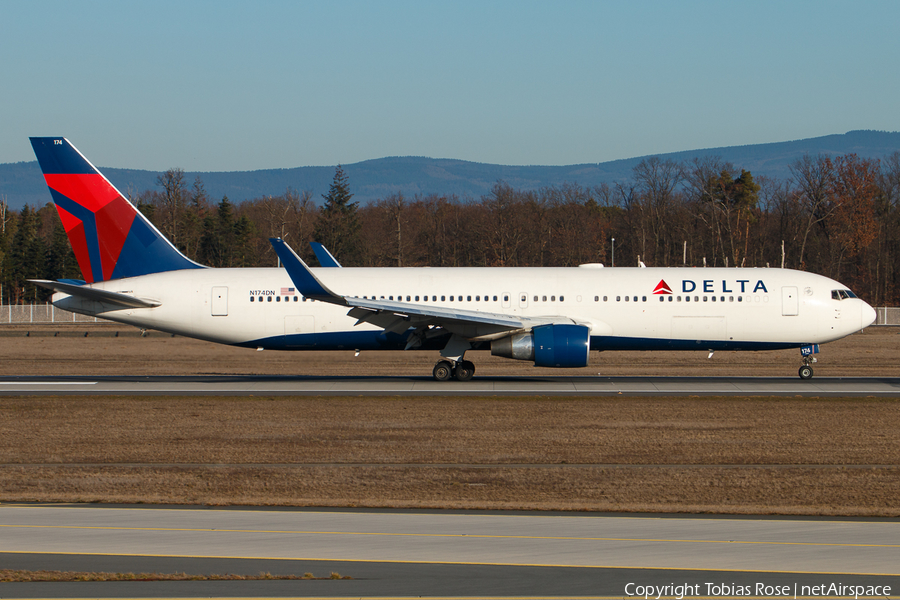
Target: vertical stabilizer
{"points": [[110, 237]]}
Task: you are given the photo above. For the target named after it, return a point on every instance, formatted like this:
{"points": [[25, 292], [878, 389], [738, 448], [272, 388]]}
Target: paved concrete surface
{"points": [[608, 386], [808, 546], [434, 553]]}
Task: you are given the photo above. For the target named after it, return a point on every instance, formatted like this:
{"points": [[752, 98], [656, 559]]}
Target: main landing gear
{"points": [[462, 370], [453, 361]]}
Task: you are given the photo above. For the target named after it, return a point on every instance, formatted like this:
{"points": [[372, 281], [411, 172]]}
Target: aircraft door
{"points": [[300, 331], [790, 301], [219, 302]]}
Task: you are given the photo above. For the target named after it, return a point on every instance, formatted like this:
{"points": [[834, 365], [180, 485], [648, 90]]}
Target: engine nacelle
{"points": [[548, 346]]}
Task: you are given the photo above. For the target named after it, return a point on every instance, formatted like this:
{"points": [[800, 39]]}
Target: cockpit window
{"points": [[842, 294]]}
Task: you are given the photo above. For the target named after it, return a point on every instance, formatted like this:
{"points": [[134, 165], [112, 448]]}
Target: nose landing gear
{"points": [[806, 371], [462, 370]]}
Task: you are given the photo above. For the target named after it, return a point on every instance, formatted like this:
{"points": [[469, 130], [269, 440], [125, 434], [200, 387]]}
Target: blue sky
{"points": [[220, 86]]}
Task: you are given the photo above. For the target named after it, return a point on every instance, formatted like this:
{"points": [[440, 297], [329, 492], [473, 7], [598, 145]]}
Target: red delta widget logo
{"points": [[712, 286]]}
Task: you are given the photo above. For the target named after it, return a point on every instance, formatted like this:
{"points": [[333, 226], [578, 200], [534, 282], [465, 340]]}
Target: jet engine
{"points": [[547, 346]]}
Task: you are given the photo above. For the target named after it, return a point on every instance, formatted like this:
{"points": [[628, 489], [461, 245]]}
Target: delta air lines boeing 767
{"points": [[552, 317]]}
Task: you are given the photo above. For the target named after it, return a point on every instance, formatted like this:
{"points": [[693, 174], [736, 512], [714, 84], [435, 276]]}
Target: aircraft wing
{"points": [[398, 317], [324, 256], [97, 295]]}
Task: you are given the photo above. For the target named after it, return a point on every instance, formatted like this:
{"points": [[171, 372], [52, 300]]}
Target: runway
{"points": [[391, 386], [439, 553]]}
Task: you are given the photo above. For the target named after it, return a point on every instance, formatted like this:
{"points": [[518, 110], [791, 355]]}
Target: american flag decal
{"points": [[287, 291]]}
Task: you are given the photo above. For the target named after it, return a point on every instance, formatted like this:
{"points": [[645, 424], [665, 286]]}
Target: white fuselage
{"points": [[710, 308]]}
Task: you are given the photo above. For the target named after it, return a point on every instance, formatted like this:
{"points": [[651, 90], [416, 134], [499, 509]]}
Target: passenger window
{"points": [[627, 298], [562, 298], [670, 298], [252, 298], [596, 298], [270, 298], [477, 298], [687, 298], [604, 298], [552, 298], [618, 298], [643, 298], [468, 298]]}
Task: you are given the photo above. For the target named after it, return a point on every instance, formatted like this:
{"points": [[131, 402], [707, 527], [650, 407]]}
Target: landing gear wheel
{"points": [[806, 372], [465, 370], [442, 370]]}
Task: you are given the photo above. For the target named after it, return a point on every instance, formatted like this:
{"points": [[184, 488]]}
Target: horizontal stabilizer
{"points": [[89, 293]]}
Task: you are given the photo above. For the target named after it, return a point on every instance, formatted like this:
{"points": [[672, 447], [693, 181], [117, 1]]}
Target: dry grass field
{"points": [[727, 455], [64, 350]]}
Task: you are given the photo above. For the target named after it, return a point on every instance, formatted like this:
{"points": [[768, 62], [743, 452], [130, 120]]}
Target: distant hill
{"points": [[22, 182]]}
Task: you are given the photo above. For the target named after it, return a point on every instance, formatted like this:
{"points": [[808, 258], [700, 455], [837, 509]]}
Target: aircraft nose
{"points": [[867, 316]]}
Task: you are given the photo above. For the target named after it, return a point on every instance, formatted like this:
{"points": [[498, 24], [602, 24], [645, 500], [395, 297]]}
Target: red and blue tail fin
{"points": [[110, 237]]}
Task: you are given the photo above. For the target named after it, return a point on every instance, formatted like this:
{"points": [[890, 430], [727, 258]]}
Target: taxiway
{"points": [[399, 553]]}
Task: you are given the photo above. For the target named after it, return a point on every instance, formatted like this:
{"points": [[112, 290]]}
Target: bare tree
{"points": [[813, 176], [173, 199], [656, 182]]}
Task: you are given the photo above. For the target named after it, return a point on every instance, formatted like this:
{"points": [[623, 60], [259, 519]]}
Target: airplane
{"points": [[552, 317]]}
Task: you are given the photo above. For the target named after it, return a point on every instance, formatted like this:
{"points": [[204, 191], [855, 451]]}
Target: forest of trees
{"points": [[837, 216]]}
